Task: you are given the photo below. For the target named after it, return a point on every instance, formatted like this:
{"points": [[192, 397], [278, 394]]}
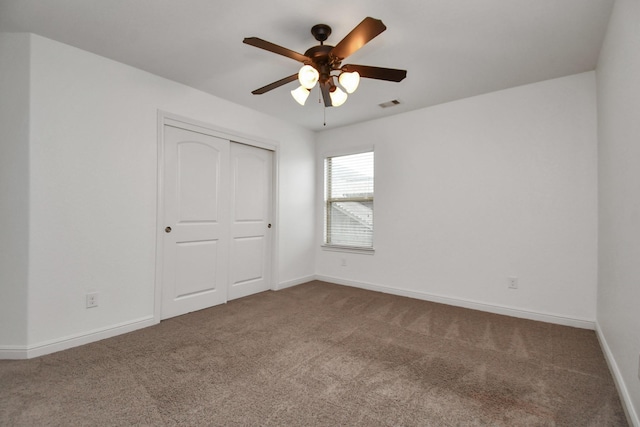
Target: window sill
{"points": [[350, 249]]}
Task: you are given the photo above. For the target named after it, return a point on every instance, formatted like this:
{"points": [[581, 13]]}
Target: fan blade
{"points": [[324, 88], [274, 85], [390, 74], [263, 44], [362, 34]]}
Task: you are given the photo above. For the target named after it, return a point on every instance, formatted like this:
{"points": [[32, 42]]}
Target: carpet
{"points": [[321, 354]]}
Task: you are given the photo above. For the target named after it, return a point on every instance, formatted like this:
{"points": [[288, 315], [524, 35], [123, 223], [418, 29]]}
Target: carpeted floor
{"points": [[322, 355]]}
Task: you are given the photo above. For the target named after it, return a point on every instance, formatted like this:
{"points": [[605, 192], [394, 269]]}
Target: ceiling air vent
{"points": [[389, 104]]}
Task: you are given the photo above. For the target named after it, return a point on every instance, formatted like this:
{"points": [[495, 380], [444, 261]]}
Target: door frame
{"points": [[175, 120]]}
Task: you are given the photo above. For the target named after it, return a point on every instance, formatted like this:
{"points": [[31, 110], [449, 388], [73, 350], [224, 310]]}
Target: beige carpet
{"points": [[322, 355]]}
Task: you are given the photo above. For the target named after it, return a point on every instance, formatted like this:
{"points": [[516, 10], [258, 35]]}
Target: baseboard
{"points": [[52, 346], [295, 282], [474, 305], [13, 352], [627, 403]]}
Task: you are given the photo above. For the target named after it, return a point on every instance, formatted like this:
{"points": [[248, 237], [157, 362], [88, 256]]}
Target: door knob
{"points": [[269, 226], [167, 229]]}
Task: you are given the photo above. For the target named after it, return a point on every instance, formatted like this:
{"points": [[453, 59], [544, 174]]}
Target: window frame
{"points": [[326, 203]]}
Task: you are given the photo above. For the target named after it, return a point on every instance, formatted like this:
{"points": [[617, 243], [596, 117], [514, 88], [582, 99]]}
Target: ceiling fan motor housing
{"points": [[322, 61]]}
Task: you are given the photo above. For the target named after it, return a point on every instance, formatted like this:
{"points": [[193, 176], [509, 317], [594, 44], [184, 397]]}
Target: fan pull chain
{"points": [[324, 109]]}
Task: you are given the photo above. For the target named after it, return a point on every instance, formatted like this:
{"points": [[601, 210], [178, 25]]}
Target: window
{"points": [[349, 201]]}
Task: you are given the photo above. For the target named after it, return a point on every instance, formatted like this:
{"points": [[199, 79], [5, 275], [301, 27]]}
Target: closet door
{"points": [[195, 261], [251, 220]]}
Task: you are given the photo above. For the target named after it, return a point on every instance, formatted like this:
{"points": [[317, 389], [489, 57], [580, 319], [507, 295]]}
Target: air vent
{"points": [[388, 104]]}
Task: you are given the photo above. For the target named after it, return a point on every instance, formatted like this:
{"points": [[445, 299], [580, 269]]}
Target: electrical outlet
{"points": [[513, 283], [343, 262], [92, 299]]}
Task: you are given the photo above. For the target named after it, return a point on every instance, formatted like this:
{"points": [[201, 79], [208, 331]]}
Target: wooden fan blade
{"points": [[324, 88], [362, 34], [274, 85], [263, 44], [390, 74]]}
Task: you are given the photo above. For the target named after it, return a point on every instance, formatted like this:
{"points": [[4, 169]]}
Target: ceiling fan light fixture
{"points": [[338, 96], [349, 81], [321, 64], [308, 76], [300, 94]]}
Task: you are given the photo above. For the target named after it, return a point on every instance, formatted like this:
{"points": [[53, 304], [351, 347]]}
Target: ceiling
{"points": [[452, 49]]}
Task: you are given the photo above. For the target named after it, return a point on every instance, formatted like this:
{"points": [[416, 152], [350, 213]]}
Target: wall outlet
{"points": [[343, 262], [92, 299], [513, 282]]}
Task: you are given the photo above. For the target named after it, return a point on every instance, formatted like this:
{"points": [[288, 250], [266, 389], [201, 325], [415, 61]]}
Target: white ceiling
{"points": [[452, 49]]}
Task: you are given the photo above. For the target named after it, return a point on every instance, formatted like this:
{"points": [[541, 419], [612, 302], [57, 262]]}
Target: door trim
{"points": [[169, 119]]}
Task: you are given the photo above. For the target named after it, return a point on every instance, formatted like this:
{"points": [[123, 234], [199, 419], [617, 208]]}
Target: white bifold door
{"points": [[217, 220]]}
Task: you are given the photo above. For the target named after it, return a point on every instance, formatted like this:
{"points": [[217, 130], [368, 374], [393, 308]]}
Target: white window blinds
{"points": [[349, 200]]}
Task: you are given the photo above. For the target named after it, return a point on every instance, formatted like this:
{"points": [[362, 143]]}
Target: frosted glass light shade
{"points": [[349, 81], [308, 76], [338, 97], [300, 95]]}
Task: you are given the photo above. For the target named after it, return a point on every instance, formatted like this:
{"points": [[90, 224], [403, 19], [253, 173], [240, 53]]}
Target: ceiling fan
{"points": [[323, 60]]}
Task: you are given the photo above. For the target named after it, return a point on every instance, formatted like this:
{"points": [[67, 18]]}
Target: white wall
{"points": [[14, 187], [93, 182], [473, 191], [618, 76]]}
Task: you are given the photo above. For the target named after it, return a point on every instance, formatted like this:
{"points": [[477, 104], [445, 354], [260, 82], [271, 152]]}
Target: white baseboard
{"points": [[627, 403], [474, 305], [13, 352], [295, 282], [52, 346]]}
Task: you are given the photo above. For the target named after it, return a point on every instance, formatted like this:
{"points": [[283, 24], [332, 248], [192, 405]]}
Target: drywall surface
{"points": [[472, 192], [14, 188], [94, 187], [618, 77]]}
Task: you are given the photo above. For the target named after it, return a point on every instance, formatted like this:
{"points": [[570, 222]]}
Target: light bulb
{"points": [[338, 97], [308, 76], [349, 81], [300, 95]]}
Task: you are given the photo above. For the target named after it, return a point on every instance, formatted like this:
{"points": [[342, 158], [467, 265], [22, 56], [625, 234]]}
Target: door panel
{"points": [[193, 259], [196, 201], [250, 171], [251, 195], [198, 168], [249, 259]]}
